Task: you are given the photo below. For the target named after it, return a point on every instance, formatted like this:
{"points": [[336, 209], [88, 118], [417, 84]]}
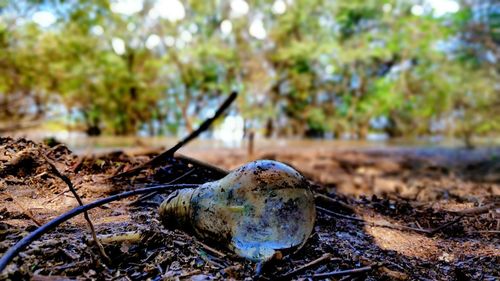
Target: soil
{"points": [[395, 197]]}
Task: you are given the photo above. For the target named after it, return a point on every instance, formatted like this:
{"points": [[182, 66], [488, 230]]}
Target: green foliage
{"points": [[322, 66]]}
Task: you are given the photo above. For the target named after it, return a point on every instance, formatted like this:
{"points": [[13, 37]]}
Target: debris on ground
{"points": [[381, 216]]}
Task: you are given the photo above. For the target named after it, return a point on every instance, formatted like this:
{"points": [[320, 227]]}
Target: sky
{"points": [[173, 10]]}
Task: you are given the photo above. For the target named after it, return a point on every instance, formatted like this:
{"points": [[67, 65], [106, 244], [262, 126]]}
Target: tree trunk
{"points": [[92, 125], [467, 138], [269, 128], [187, 120], [392, 129], [363, 131]]}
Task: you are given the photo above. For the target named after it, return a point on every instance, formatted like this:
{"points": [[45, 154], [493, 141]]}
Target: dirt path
{"points": [[405, 189]]}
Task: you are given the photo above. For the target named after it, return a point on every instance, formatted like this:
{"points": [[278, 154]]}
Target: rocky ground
{"points": [[398, 214]]}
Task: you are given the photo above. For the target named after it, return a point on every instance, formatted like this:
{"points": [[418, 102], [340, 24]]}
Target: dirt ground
{"points": [[409, 214]]}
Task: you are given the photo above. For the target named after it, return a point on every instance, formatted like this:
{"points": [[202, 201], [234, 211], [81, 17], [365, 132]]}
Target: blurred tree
{"points": [[23, 93], [477, 99], [304, 68]]}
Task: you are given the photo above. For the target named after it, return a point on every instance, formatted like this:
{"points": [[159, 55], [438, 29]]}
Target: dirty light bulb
{"points": [[255, 210]]}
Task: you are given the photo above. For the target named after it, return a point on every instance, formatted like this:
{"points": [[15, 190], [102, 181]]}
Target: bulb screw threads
{"points": [[176, 209]]}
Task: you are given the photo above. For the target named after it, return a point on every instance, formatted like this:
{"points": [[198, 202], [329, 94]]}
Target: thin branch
{"points": [[147, 196], [210, 249], [158, 160], [50, 200], [216, 170], [319, 260], [343, 272], [207, 258], [443, 226], [486, 231], [390, 225], [28, 239], [335, 214], [331, 200], [25, 211], [128, 237], [80, 202], [477, 210]]}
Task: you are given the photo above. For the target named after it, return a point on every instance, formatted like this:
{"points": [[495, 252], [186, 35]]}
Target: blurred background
{"points": [[127, 72]]}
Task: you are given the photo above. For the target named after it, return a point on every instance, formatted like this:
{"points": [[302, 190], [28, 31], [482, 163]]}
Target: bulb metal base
{"points": [[176, 210]]}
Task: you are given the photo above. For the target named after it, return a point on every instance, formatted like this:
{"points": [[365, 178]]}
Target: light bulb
{"points": [[257, 209]]}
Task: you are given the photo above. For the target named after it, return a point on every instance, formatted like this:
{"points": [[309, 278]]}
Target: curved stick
{"points": [[343, 272], [170, 153], [26, 241]]}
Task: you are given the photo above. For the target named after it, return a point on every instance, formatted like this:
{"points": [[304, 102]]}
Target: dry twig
{"points": [[319, 260], [214, 169], [25, 211], [477, 210], [390, 225], [486, 231], [212, 250], [158, 160], [331, 200], [28, 239], [343, 272], [80, 202], [147, 196]]}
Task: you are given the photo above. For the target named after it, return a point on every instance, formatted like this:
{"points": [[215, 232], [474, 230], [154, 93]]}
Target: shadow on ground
{"points": [[399, 188]]}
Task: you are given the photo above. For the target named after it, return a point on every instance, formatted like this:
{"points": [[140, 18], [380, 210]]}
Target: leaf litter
{"points": [[401, 188]]}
